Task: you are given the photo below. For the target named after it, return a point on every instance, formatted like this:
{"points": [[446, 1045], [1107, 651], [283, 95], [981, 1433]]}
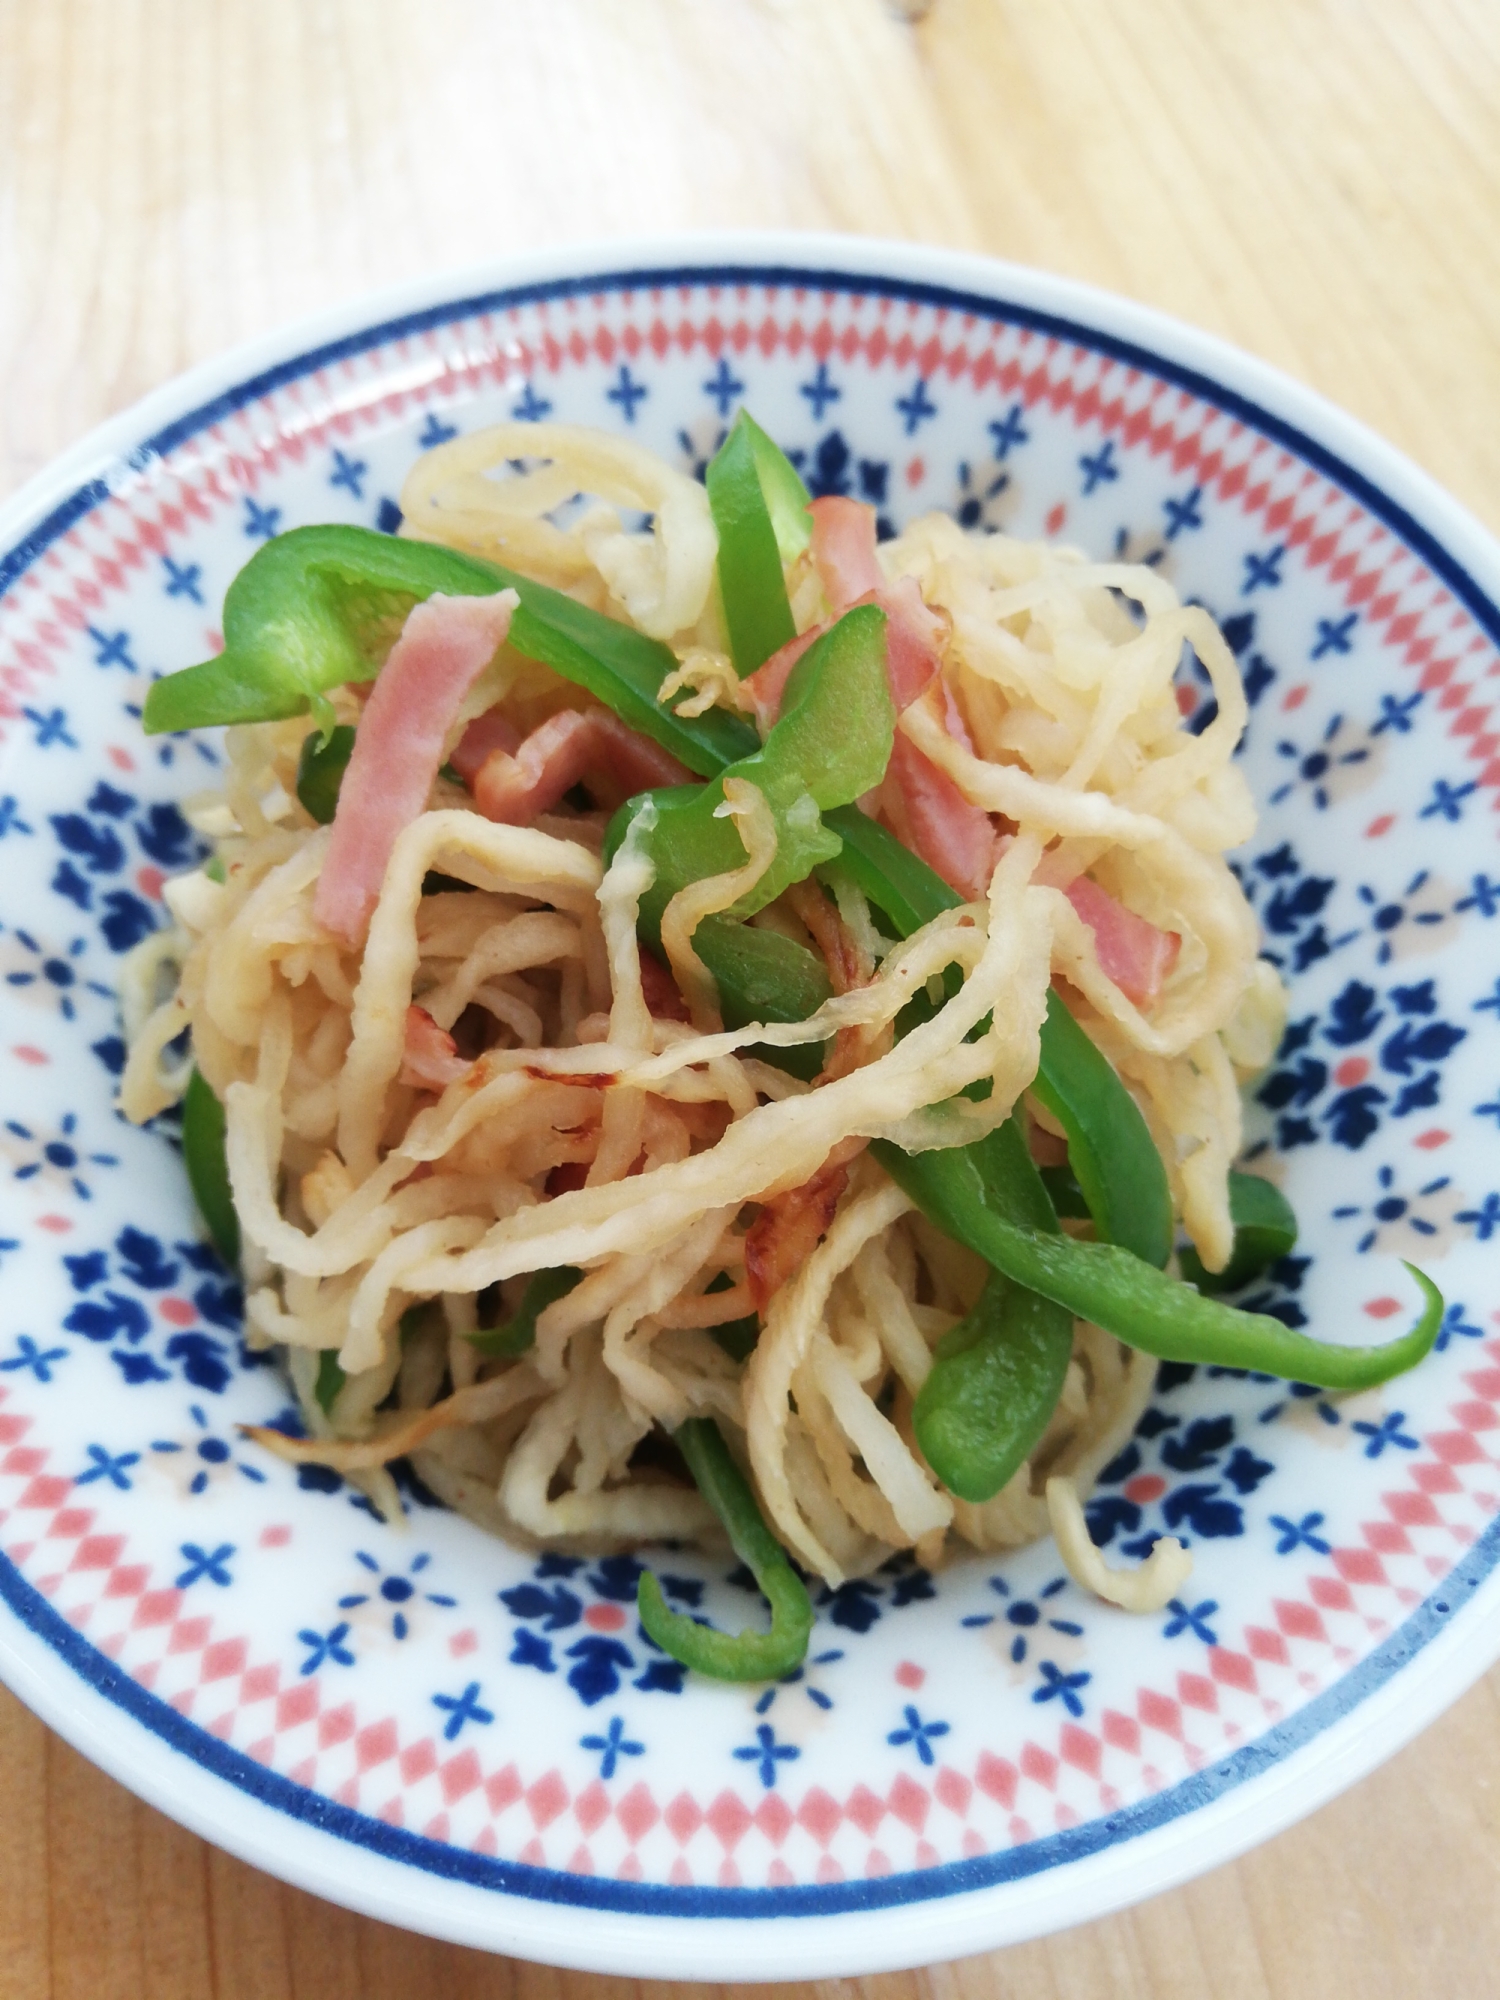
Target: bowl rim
{"points": [[1328, 1743]]}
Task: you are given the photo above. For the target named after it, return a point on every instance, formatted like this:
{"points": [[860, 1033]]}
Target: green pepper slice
{"points": [[321, 765], [742, 1656], [1265, 1228], [997, 1375], [752, 589], [318, 607], [518, 1334], [207, 1168], [1133, 1300]]}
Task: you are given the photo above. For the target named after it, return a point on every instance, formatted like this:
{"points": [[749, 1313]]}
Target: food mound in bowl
{"points": [[702, 1023]]}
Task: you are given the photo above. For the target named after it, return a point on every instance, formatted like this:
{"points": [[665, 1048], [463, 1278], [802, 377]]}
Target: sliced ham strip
{"points": [[1134, 953], [912, 636], [444, 646], [936, 821], [429, 1056], [767, 684], [843, 549], [493, 730], [591, 747], [927, 810]]}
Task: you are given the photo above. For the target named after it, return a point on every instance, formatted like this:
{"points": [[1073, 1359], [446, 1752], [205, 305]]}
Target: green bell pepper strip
{"points": [[1265, 1228], [318, 607], [331, 1379], [207, 1167], [518, 1334], [742, 1656], [320, 770], [785, 496], [1131, 1299], [832, 742], [994, 1384], [752, 589], [997, 1375], [1110, 1148]]}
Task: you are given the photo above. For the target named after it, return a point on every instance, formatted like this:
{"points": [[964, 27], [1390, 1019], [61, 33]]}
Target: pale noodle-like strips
{"points": [[501, 1080]]}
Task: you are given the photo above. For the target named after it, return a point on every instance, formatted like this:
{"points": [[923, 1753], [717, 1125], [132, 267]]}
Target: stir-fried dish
{"points": [[699, 1022]]}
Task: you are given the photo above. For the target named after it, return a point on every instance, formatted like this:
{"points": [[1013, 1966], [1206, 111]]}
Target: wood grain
{"points": [[1317, 180]]}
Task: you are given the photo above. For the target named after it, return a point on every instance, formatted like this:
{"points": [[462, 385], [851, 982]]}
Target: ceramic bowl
{"points": [[450, 1734]]}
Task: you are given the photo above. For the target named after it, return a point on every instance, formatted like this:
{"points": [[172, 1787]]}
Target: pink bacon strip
{"points": [[445, 644], [591, 747], [1132, 951]]}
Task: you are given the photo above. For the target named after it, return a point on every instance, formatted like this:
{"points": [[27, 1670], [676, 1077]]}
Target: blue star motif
{"points": [[1488, 1110], [820, 391], [326, 1646], [725, 387], [348, 472], [1490, 1005], [1333, 636], [1182, 514], [435, 432], [916, 406], [10, 815], [627, 392], [1396, 713], [918, 1734], [104, 1466], [28, 1354], [1455, 1323], [1485, 898], [1064, 1687], [112, 649], [1485, 1218], [1447, 800], [1099, 469], [532, 407], [1007, 431], [461, 1708], [1299, 1534], [50, 728], [183, 579], [261, 522], [1388, 1431], [211, 1564], [1263, 571], [1191, 1618], [766, 1754], [611, 1747]]}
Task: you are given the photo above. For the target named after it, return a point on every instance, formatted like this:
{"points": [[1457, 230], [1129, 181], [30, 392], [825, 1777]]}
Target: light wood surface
{"points": [[1319, 180]]}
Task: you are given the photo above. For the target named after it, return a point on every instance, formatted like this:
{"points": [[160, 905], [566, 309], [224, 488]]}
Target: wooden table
{"points": [[1319, 180]]}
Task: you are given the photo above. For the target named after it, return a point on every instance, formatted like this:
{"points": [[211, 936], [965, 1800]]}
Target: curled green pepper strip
{"points": [[518, 1335], [320, 771], [1110, 1148], [742, 1656], [832, 743], [997, 1375], [1265, 1228], [786, 497], [1137, 1303], [994, 1384], [207, 1168], [751, 586], [317, 607]]}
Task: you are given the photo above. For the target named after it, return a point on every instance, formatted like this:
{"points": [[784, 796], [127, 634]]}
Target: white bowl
{"points": [[451, 1735]]}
